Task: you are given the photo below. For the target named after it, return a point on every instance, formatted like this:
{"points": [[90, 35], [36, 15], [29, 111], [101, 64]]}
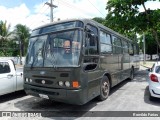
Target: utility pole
{"points": [[51, 9], [144, 48]]}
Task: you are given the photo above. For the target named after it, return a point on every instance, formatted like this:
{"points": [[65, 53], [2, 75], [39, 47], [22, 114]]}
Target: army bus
{"points": [[74, 61]]}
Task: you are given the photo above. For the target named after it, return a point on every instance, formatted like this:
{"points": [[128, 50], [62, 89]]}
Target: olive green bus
{"points": [[74, 61]]}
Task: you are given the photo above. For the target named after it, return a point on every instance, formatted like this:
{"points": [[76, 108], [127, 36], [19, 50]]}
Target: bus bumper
{"points": [[78, 97]]}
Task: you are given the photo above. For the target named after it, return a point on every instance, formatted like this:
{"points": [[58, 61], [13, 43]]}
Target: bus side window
{"points": [[125, 46], [136, 50], [130, 48], [105, 43], [91, 43], [117, 45]]}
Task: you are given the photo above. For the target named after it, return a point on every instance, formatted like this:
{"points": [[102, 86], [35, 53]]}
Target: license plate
{"points": [[44, 96]]}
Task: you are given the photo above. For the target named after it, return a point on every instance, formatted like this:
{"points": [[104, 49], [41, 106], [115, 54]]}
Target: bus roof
{"points": [[85, 21]]}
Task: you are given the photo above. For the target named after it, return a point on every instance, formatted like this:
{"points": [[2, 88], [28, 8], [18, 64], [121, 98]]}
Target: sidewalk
{"points": [[19, 66], [147, 64]]}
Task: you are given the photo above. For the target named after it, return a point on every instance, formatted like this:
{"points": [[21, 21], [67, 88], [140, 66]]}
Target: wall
{"points": [[15, 59]]}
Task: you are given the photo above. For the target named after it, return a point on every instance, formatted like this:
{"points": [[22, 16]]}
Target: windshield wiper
{"points": [[35, 58]]}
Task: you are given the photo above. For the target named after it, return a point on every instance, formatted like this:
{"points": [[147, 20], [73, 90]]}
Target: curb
{"points": [[145, 66]]}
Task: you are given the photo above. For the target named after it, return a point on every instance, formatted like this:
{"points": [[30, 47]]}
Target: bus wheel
{"points": [[104, 89], [132, 74]]}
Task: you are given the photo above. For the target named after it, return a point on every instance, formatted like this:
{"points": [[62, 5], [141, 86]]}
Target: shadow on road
{"points": [[12, 96], [61, 109], [141, 76], [68, 110], [53, 108], [119, 86]]}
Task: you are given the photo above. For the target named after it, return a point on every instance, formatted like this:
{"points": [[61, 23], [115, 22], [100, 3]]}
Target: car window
{"points": [[157, 70], [4, 67]]}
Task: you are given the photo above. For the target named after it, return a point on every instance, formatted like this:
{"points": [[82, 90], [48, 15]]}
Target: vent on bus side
{"points": [[90, 66]]}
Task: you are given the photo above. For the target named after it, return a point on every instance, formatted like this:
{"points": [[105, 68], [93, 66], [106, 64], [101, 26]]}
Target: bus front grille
{"points": [[44, 92]]}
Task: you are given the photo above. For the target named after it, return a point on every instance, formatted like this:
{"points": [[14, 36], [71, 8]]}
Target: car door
{"points": [[19, 80], [6, 78]]}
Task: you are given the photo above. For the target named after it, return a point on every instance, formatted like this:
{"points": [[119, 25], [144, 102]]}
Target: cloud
{"points": [[41, 12], [66, 9], [80, 8], [14, 15], [152, 5]]}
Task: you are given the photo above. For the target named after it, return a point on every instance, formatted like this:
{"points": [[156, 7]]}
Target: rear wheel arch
{"points": [[132, 73], [109, 77]]}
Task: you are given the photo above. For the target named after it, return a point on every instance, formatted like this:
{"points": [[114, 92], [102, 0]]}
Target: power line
{"points": [[72, 6], [51, 9], [39, 12], [96, 8]]}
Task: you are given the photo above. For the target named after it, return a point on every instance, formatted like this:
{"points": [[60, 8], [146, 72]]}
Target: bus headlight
{"points": [[67, 84], [30, 80], [26, 79], [60, 83]]}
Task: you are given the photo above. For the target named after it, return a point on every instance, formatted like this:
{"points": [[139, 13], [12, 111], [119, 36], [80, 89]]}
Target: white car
{"points": [[11, 79], [154, 81]]}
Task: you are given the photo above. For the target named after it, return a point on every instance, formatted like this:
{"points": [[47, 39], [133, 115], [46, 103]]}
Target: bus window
{"points": [[105, 40], [130, 48], [116, 41], [117, 45], [136, 50], [125, 46], [91, 43]]}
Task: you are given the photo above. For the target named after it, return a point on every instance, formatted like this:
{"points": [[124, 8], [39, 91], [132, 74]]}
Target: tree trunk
{"points": [[151, 57], [20, 48], [155, 34]]}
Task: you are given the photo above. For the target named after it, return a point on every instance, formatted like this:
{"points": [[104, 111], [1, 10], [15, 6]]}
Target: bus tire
{"points": [[104, 88]]}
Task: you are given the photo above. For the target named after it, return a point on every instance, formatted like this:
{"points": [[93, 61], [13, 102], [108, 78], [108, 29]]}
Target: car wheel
{"points": [[104, 89]]}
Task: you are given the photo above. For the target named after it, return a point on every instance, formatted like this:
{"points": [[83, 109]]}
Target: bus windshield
{"points": [[59, 49]]}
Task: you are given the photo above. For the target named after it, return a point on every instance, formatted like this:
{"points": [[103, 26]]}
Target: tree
{"points": [[99, 20], [22, 34], [151, 45], [5, 35], [124, 16]]}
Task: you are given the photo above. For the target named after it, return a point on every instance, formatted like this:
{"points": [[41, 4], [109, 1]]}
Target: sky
{"points": [[34, 13]]}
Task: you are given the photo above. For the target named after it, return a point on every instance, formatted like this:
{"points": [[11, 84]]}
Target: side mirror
{"points": [[149, 69]]}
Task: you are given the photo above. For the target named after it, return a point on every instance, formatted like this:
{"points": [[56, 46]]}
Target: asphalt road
{"points": [[125, 99]]}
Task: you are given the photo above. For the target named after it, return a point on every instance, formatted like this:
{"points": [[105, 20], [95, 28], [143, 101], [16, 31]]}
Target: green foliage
{"points": [[5, 37], [22, 34], [2, 54], [151, 45], [99, 20], [124, 17], [8, 46]]}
